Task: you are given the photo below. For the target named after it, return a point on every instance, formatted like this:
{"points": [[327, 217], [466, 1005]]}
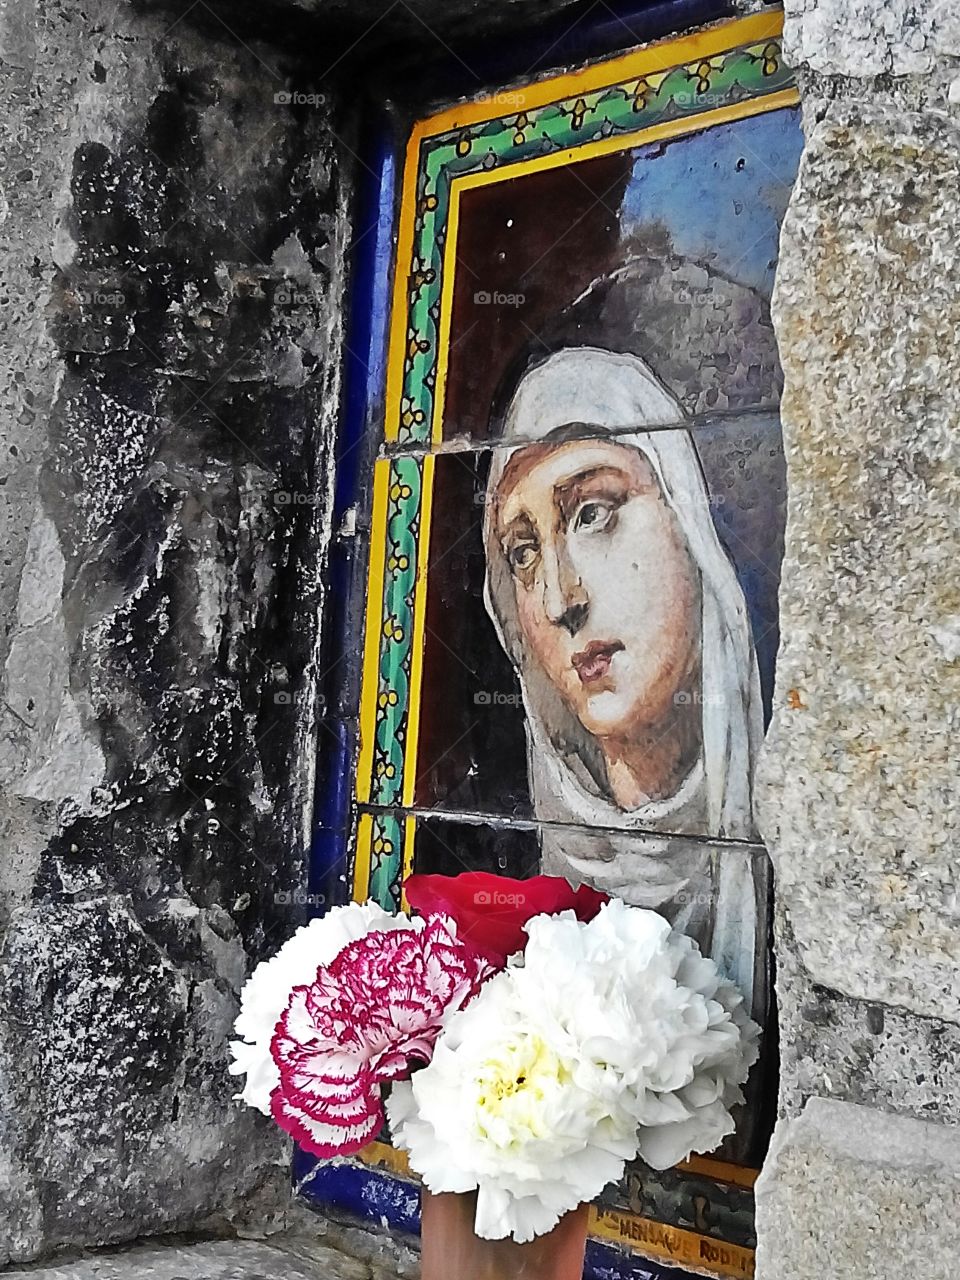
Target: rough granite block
{"points": [[851, 1193], [857, 792], [864, 38]]}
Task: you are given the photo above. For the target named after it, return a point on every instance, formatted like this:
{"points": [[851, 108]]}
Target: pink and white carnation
{"points": [[369, 1013], [267, 991], [606, 1040]]}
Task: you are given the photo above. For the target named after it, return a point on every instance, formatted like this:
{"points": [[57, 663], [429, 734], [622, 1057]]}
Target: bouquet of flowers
{"points": [[534, 1037]]}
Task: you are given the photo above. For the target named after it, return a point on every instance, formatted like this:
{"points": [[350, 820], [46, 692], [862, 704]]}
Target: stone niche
{"points": [[173, 251]]}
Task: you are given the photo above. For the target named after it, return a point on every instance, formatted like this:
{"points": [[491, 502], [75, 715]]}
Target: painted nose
{"points": [[564, 597]]}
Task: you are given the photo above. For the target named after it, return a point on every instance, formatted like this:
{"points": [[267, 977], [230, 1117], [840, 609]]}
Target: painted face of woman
{"points": [[607, 593]]}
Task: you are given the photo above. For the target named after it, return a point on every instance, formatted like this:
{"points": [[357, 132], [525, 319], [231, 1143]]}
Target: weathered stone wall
{"points": [[171, 271], [859, 792]]}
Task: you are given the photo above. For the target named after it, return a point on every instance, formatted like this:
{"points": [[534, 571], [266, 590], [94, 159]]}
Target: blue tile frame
{"points": [[365, 345]]}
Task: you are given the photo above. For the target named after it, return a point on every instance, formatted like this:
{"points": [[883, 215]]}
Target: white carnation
{"points": [[498, 1110], [657, 1025], [612, 1038], [266, 993]]}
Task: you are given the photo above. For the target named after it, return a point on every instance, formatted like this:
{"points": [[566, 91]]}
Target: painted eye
{"points": [[592, 516], [523, 555]]}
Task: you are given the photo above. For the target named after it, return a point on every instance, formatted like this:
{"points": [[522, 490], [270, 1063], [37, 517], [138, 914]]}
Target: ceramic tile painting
{"points": [[578, 507]]}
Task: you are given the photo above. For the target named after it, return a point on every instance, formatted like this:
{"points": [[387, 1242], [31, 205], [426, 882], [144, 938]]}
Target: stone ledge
{"points": [[857, 1194], [297, 1259]]}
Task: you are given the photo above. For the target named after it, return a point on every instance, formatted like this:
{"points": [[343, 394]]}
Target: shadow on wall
{"points": [[168, 515]]}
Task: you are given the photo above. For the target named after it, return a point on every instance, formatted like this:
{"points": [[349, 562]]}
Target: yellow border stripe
{"points": [[398, 306], [719, 1171], [720, 38], [446, 310], [372, 636], [675, 1245], [409, 835], [380, 1155], [419, 626], [640, 1235], [361, 865], [620, 142]]}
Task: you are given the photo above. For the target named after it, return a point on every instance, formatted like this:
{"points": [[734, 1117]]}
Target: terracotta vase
{"points": [[450, 1250]]}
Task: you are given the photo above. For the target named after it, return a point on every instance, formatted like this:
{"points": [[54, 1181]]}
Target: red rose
{"points": [[491, 911]]}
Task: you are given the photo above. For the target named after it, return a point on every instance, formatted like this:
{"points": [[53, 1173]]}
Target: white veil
{"points": [[602, 391]]}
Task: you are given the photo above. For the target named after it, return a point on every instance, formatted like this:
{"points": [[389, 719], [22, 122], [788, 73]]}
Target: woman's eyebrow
{"points": [[519, 524], [581, 477], [566, 492]]}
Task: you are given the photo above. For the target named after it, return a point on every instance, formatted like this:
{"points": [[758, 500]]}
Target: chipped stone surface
{"points": [[304, 1247], [171, 257], [856, 1194], [864, 38], [858, 790], [110, 1045], [310, 1236], [859, 1051], [216, 1260]]}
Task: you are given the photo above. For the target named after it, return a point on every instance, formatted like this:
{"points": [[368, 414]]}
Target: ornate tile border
{"points": [[668, 89]]}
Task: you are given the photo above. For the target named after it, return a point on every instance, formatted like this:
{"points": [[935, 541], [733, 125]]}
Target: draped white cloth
{"points": [[710, 894]]}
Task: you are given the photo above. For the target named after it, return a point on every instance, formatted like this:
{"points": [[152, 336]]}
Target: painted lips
{"points": [[593, 662]]}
